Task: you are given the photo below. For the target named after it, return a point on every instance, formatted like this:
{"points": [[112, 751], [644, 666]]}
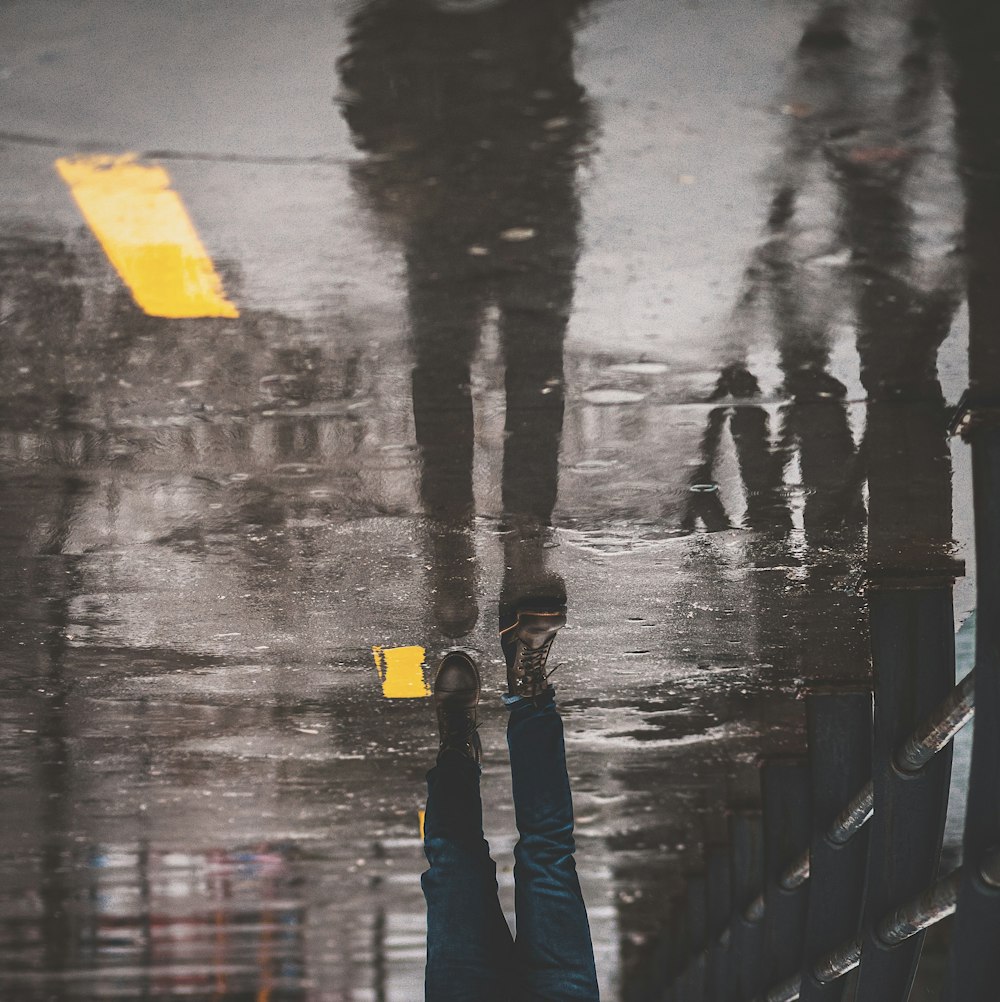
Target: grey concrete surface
{"points": [[707, 399]]}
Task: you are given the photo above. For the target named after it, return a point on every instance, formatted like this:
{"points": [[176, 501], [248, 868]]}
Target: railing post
{"points": [[675, 959], [840, 759], [684, 980], [746, 949], [913, 650], [697, 911], [664, 964], [975, 959], [786, 798], [720, 910], [973, 30]]}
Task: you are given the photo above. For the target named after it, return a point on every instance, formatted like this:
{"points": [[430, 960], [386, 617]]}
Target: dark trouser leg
{"points": [[554, 957], [533, 327], [468, 942], [445, 321], [533, 354]]}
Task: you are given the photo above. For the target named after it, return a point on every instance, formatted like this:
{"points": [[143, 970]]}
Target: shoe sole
{"points": [[531, 612]]}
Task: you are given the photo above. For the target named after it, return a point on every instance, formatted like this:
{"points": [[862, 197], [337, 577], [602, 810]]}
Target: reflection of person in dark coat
{"points": [[473, 122]]}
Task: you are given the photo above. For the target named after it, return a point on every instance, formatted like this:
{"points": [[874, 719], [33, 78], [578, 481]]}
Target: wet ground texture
{"points": [[658, 307]]}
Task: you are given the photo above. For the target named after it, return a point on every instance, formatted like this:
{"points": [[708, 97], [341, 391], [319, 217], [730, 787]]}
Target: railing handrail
{"points": [[931, 736], [901, 924]]}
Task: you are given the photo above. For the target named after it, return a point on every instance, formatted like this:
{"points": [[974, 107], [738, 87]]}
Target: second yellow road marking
{"points": [[401, 670]]}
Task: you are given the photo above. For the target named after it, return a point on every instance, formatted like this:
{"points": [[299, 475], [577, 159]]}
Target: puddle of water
{"points": [[610, 397], [641, 368]]}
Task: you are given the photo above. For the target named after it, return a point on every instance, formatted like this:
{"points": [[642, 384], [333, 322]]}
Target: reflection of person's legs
{"points": [[445, 317], [445, 325], [762, 471], [704, 501], [468, 942], [533, 317], [534, 305], [554, 957]]}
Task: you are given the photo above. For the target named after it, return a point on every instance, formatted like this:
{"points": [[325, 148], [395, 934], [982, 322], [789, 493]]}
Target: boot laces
{"points": [[532, 662], [458, 728]]}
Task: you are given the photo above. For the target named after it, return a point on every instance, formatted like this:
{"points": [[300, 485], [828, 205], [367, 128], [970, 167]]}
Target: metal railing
{"points": [[935, 733], [811, 899], [929, 738], [935, 904]]}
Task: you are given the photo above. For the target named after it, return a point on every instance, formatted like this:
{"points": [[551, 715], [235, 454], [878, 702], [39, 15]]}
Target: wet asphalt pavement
{"points": [[661, 308]]}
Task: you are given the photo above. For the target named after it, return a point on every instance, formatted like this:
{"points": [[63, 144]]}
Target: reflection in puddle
{"points": [[142, 922]]}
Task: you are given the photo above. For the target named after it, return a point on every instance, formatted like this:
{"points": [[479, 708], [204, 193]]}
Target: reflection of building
{"points": [[224, 925]]}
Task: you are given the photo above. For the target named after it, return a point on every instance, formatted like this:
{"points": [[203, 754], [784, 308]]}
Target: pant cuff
{"points": [[544, 698]]}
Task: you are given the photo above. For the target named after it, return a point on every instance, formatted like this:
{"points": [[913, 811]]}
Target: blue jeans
{"points": [[471, 956]]}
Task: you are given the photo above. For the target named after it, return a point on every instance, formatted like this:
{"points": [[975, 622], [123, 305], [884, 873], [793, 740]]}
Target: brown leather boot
{"points": [[456, 701], [526, 643]]}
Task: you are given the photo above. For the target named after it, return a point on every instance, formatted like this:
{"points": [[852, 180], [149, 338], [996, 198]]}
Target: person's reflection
{"points": [[473, 121], [904, 308], [835, 112], [799, 305]]}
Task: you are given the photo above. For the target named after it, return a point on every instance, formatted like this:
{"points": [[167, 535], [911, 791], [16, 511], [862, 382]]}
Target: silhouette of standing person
{"points": [[474, 123]]}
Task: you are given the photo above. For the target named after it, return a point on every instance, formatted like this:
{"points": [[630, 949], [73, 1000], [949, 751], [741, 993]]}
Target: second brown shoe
{"points": [[526, 643]]}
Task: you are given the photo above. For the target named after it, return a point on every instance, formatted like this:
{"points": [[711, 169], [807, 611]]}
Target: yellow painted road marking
{"points": [[421, 814], [401, 670], [147, 234]]}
